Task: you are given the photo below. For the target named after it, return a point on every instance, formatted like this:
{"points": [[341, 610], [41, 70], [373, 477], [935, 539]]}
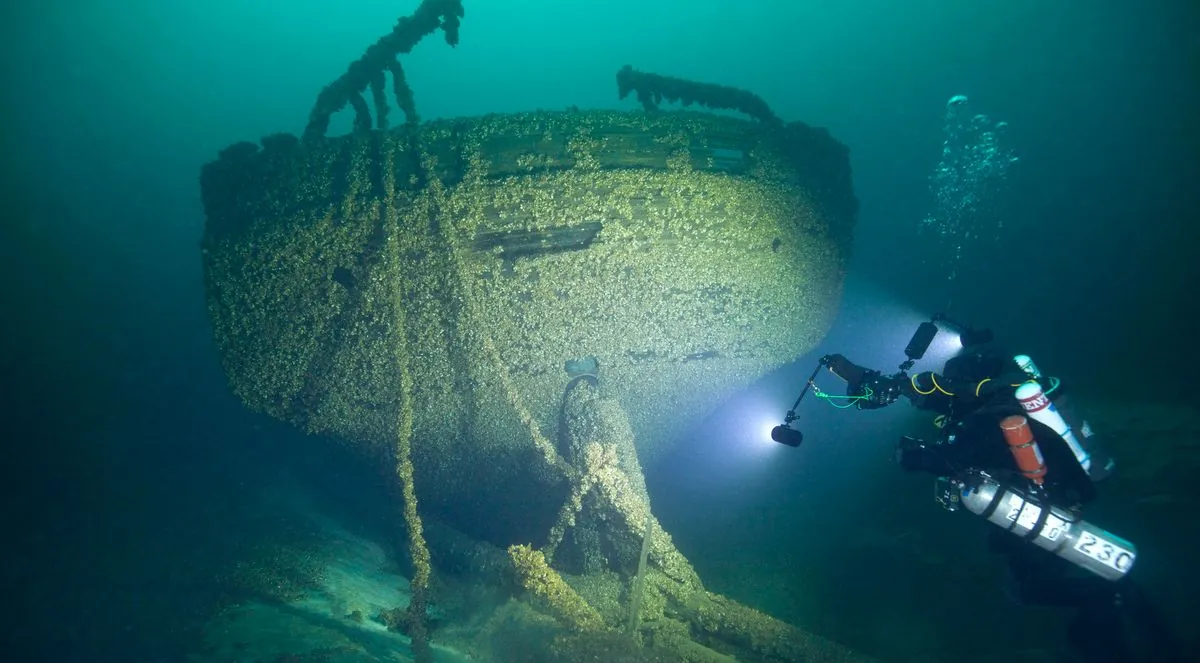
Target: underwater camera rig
{"points": [[787, 434]]}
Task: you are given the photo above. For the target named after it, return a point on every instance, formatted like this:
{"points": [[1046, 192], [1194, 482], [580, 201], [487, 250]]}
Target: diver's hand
{"points": [[875, 391]]}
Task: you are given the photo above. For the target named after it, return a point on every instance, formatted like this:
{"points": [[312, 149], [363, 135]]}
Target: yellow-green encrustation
{"points": [[449, 278]]}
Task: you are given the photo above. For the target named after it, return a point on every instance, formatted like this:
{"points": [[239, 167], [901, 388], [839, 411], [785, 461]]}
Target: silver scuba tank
{"points": [[1057, 530]]}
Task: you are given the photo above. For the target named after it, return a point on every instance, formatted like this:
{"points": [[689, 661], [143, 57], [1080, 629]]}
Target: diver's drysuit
{"points": [[972, 396]]}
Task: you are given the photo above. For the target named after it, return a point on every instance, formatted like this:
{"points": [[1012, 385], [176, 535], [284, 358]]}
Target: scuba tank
{"points": [[1061, 532], [1025, 449], [1038, 406], [1054, 409]]}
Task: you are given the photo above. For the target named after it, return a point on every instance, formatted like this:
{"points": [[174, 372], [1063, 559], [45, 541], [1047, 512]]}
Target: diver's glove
{"points": [[874, 391]]}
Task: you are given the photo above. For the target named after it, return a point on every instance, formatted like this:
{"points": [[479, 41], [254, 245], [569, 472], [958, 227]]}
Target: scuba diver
{"points": [[1011, 449]]}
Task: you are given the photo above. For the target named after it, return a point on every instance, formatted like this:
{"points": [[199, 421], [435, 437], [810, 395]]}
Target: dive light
{"points": [[920, 340], [967, 335], [785, 434]]}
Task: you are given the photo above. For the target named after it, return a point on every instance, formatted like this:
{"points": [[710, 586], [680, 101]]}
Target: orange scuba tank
{"points": [[1024, 448]]}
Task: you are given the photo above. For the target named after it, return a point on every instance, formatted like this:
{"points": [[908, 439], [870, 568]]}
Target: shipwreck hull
{"points": [[451, 278]]}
